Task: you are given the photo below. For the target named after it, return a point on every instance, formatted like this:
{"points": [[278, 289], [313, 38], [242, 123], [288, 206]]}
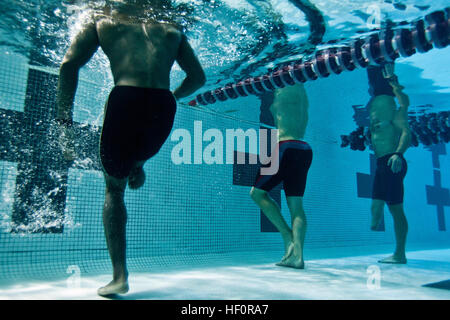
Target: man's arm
{"points": [[195, 76], [402, 98], [80, 52], [401, 122], [397, 88], [401, 117]]}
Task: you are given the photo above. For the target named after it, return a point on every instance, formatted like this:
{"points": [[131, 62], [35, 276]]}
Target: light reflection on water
{"points": [[230, 37]]}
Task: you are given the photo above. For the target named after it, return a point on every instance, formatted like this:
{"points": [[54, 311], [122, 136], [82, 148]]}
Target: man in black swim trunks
{"points": [[140, 109], [390, 137], [290, 112]]}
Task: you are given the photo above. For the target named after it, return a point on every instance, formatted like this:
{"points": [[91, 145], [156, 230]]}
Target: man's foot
{"points": [[292, 262], [393, 260], [289, 251], [136, 178], [114, 287], [376, 219]]}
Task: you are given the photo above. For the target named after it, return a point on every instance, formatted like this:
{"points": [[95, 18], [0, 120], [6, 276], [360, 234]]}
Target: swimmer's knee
{"points": [[257, 194], [298, 214], [396, 209], [115, 187], [377, 205]]}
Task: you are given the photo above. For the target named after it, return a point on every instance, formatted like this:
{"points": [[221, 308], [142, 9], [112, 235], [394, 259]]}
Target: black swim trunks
{"points": [[136, 125], [387, 185], [295, 159], [378, 84]]}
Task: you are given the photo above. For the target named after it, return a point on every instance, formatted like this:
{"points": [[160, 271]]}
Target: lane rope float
{"points": [[378, 48]]}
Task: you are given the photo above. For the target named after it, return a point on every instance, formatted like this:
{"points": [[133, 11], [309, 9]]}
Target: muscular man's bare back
{"points": [[141, 53], [290, 112]]}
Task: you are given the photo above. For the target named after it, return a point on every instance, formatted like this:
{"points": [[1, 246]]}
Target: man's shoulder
{"points": [[168, 28], [168, 31], [100, 19]]}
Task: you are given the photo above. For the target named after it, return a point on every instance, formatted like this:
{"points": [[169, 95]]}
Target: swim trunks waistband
{"points": [[297, 144], [387, 156], [144, 88], [298, 141]]}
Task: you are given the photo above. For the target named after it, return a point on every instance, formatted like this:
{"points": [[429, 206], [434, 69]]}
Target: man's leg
{"points": [[295, 259], [272, 211], [136, 178], [114, 222], [401, 230], [377, 210]]}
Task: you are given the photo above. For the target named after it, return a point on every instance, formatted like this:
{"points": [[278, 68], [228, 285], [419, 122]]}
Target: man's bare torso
{"points": [[140, 53], [384, 134], [290, 112]]}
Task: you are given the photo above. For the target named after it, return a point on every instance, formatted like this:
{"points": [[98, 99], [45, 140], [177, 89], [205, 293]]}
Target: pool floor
{"points": [[337, 278]]}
